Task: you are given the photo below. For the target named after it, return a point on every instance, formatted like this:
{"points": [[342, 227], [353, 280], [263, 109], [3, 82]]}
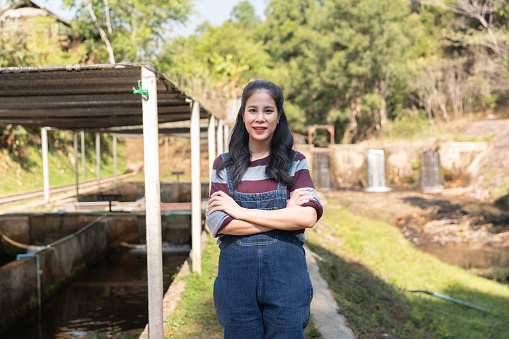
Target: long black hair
{"points": [[280, 146]]}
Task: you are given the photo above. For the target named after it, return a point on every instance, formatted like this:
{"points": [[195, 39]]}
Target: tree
{"points": [[127, 30], [216, 62], [466, 65]]}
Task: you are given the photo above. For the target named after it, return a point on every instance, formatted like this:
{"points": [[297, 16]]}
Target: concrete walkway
{"points": [[324, 309]]}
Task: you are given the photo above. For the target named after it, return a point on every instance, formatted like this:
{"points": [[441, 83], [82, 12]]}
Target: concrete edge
{"points": [[325, 312], [174, 293]]}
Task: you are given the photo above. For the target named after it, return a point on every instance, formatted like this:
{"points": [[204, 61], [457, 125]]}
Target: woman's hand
{"points": [[220, 201], [299, 197]]}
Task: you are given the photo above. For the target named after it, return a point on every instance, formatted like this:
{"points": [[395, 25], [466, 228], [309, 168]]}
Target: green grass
{"points": [[26, 174], [370, 267], [195, 315]]}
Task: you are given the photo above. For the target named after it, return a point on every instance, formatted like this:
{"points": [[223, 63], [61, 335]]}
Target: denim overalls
{"points": [[262, 289]]}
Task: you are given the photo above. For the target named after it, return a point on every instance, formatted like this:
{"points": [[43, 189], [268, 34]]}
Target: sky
{"points": [[213, 11]]}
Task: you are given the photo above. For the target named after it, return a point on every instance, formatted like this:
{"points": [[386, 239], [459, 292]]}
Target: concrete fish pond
{"points": [[41, 253]]}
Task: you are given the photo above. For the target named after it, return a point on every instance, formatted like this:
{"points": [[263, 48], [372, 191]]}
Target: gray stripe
{"points": [[215, 220], [299, 165], [312, 191], [255, 173], [220, 180]]}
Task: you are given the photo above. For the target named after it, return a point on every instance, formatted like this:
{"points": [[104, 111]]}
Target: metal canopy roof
{"points": [[86, 96]]}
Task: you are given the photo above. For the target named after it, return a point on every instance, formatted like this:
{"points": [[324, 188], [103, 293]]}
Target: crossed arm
{"points": [[252, 221]]}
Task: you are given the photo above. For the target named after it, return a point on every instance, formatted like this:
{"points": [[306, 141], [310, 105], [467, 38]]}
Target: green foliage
{"points": [[31, 42], [136, 27], [216, 63]]}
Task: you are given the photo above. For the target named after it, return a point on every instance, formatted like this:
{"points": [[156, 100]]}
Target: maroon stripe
{"points": [[260, 162], [302, 179], [225, 222], [319, 209], [216, 163], [258, 186], [219, 187]]}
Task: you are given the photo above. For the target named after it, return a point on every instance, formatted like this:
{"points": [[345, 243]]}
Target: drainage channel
{"points": [[109, 300]]}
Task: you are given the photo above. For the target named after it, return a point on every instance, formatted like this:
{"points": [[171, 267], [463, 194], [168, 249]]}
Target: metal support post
{"points": [[220, 138], [83, 155], [45, 171], [212, 143], [98, 158], [115, 158], [153, 206], [76, 174], [195, 188], [226, 137]]}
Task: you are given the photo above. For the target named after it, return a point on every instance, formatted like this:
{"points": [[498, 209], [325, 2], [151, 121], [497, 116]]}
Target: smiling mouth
{"points": [[260, 128]]}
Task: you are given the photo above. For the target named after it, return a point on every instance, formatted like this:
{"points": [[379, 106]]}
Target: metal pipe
{"points": [[153, 205]]}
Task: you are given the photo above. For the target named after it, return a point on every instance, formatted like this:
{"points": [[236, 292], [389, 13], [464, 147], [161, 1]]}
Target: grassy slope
{"points": [[27, 174], [370, 267]]}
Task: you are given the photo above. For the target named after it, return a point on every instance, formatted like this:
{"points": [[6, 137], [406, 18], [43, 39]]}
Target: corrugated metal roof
{"points": [[86, 96]]}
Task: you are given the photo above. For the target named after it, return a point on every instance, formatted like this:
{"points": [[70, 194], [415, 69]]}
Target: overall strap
{"points": [[281, 185], [225, 157]]}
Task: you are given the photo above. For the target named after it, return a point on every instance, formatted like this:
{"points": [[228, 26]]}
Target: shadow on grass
{"points": [[443, 204], [377, 309]]}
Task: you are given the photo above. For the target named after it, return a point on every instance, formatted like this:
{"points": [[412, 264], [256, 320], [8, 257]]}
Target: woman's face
{"points": [[260, 117]]}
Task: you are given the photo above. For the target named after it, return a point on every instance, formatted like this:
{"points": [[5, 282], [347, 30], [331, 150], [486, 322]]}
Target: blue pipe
{"points": [[19, 256], [36, 253]]}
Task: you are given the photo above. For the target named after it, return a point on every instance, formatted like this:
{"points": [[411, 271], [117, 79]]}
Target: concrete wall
{"points": [[402, 161], [65, 259], [171, 192], [456, 156]]}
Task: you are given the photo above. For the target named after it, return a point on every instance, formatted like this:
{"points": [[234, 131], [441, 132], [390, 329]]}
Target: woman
{"points": [[262, 198]]}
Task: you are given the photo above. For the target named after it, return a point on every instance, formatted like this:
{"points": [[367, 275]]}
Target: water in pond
{"points": [[474, 256], [107, 301]]}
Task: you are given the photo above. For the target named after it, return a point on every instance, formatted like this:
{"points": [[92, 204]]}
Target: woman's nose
{"points": [[259, 116]]}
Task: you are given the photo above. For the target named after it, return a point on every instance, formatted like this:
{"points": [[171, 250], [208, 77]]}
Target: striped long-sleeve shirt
{"points": [[255, 180]]}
